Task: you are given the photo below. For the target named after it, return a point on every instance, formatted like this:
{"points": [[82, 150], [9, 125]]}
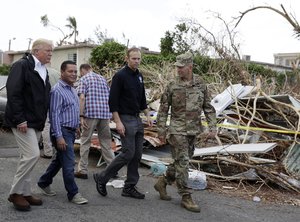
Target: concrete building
{"points": [[274, 67], [287, 59]]}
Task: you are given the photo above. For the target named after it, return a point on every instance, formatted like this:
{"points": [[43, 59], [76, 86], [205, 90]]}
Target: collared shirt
{"points": [[64, 108], [41, 69], [127, 92], [96, 92]]}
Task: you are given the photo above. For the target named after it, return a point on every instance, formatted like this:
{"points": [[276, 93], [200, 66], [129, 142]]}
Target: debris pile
{"points": [[257, 140]]}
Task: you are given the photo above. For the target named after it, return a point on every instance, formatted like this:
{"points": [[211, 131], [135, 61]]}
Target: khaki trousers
{"points": [[104, 136], [29, 156], [48, 149]]}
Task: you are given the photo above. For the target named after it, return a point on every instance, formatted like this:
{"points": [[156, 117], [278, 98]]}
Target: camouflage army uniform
{"points": [[187, 100]]}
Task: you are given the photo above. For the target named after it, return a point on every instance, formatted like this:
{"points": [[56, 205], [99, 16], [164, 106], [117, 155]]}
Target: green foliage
{"points": [[177, 41], [180, 40], [109, 53], [4, 70], [260, 70], [289, 78], [202, 64], [150, 59], [166, 44]]}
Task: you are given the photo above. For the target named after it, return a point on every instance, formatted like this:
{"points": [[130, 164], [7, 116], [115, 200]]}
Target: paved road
{"points": [[114, 207]]}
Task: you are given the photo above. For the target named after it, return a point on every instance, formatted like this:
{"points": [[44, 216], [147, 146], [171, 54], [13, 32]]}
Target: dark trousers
{"points": [[131, 153], [63, 159]]}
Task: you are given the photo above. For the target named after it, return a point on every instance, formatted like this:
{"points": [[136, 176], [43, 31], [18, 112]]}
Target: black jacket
{"points": [[27, 95]]}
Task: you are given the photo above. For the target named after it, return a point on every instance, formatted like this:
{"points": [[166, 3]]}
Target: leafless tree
{"points": [[290, 18], [223, 45]]}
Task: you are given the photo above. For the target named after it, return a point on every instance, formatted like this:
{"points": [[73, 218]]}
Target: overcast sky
{"points": [[261, 34]]}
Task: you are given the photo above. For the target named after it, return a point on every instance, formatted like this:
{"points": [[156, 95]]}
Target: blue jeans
{"points": [[63, 159], [131, 153]]}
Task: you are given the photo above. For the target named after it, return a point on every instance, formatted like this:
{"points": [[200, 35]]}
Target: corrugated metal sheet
{"points": [[292, 161]]}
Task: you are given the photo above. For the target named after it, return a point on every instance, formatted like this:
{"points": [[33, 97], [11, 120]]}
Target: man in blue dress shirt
{"points": [[64, 120]]}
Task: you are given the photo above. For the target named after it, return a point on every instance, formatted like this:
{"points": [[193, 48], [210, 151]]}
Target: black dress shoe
{"points": [[132, 192], [101, 187]]}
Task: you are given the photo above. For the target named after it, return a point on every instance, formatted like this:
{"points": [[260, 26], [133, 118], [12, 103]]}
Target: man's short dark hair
{"points": [[85, 66], [63, 66]]}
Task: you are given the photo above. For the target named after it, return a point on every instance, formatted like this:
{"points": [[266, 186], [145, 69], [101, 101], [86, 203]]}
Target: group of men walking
{"points": [[91, 106]]}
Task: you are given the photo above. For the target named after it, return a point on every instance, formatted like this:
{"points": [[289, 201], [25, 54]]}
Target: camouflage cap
{"points": [[184, 59]]}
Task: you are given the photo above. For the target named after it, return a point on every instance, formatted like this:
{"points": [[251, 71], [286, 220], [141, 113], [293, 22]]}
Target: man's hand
{"points": [[83, 123], [120, 128], [22, 127], [149, 121], [61, 144]]}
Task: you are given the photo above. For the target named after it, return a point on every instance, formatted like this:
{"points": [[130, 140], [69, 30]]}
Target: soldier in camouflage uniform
{"points": [[187, 96]]}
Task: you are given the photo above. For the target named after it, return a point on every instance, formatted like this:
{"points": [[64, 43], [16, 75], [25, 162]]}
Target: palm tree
{"points": [[46, 23], [73, 27]]}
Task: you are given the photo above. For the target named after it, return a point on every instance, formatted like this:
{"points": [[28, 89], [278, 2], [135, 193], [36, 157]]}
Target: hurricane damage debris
{"points": [[257, 142], [258, 139]]}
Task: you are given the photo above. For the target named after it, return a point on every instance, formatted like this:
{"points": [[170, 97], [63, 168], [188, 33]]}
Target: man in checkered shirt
{"points": [[93, 92]]}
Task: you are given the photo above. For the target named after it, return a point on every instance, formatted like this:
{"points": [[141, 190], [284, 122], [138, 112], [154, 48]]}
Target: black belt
{"points": [[69, 128]]}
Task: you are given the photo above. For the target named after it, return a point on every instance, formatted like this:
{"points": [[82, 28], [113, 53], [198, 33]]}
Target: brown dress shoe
{"points": [[80, 175], [19, 202], [33, 200]]}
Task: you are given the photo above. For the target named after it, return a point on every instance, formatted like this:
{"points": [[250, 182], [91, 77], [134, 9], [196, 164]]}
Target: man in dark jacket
{"points": [[28, 91]]}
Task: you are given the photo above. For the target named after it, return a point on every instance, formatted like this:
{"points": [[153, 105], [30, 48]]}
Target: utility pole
{"points": [[9, 43], [29, 42]]}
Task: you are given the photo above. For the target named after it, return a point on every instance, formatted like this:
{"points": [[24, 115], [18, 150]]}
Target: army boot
{"points": [[160, 187], [188, 203]]}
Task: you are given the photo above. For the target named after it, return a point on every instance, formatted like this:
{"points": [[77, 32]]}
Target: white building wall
{"points": [[60, 54]]}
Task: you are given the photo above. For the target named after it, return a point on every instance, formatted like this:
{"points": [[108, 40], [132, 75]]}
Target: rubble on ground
{"points": [[257, 141]]}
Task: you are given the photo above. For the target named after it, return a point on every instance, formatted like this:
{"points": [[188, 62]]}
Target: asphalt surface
{"points": [[114, 207]]}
